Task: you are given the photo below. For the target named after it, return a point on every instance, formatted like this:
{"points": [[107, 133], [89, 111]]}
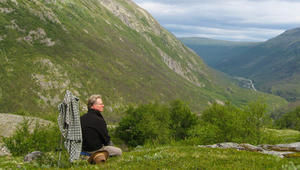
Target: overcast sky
{"points": [[238, 20]]}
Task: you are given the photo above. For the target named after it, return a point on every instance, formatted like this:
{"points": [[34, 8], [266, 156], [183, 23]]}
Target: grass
{"points": [[172, 157], [282, 136], [175, 155]]}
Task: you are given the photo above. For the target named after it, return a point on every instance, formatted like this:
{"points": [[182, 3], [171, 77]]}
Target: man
{"points": [[94, 129]]}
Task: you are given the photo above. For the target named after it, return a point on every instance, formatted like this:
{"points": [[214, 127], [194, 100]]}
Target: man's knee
{"points": [[113, 151]]}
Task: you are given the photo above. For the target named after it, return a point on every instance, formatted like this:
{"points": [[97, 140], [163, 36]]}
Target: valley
{"points": [[272, 65], [170, 103]]}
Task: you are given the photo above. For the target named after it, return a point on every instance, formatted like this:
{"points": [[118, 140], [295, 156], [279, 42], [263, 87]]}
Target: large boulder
{"points": [[10, 122]]}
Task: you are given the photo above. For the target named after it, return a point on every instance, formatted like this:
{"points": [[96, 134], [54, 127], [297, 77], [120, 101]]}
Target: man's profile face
{"points": [[98, 105]]}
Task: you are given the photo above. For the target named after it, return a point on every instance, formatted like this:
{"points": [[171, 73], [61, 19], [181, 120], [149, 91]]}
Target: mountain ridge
{"points": [[273, 64], [98, 46]]}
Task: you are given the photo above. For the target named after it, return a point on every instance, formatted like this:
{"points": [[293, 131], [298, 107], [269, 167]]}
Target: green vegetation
{"points": [[275, 136], [24, 141], [171, 157], [290, 120], [168, 136], [84, 47], [231, 124], [273, 65], [161, 124], [156, 123], [124, 54]]}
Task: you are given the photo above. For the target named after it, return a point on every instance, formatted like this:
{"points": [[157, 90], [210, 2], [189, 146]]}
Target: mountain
{"points": [[111, 47], [274, 65], [213, 52]]}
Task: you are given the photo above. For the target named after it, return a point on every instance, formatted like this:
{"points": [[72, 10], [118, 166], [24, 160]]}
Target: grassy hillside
{"points": [[113, 48], [273, 65]]}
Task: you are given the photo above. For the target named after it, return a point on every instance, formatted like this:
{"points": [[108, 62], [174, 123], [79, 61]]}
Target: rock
{"points": [[292, 155], [4, 151], [10, 122], [276, 153], [265, 146], [295, 147], [230, 145], [32, 156], [289, 147], [208, 146], [138, 147], [249, 147], [225, 145], [280, 150]]}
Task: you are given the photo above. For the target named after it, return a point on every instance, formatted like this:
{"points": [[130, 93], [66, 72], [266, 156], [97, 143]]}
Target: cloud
{"points": [[238, 34], [271, 16]]}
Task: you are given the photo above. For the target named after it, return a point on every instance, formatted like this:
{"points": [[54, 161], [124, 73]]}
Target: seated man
{"points": [[94, 129]]}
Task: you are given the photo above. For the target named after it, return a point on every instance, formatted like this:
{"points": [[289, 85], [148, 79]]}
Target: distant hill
{"points": [[111, 47], [215, 52], [274, 65]]}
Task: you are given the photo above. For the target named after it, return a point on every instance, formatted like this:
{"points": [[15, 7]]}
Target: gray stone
{"points": [[276, 153], [10, 122], [32, 156], [280, 150], [4, 151], [250, 147], [295, 147], [208, 146], [230, 145], [265, 146]]}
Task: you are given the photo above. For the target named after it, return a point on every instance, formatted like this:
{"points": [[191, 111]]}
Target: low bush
{"points": [[227, 123], [24, 140], [156, 123], [181, 119], [290, 120], [146, 122]]}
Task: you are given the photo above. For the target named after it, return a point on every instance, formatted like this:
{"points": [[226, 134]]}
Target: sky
{"points": [[236, 20]]}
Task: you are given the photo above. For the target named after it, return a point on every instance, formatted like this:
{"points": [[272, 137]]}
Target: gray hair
{"points": [[92, 100]]}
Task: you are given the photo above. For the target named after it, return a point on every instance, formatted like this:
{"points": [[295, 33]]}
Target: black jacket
{"points": [[94, 131]]}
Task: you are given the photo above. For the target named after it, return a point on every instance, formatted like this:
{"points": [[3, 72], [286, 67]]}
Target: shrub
{"points": [[146, 122], [181, 119], [290, 120], [23, 141], [156, 123], [230, 124]]}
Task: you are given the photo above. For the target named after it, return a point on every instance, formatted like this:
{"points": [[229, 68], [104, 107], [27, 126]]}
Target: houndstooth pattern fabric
{"points": [[69, 125]]}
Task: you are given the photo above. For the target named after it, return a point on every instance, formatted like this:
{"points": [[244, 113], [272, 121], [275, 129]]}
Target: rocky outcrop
{"points": [[280, 150], [10, 122]]}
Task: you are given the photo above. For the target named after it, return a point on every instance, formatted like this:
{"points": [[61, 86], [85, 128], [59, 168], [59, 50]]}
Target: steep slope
{"points": [[111, 47], [215, 52], [273, 65]]}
